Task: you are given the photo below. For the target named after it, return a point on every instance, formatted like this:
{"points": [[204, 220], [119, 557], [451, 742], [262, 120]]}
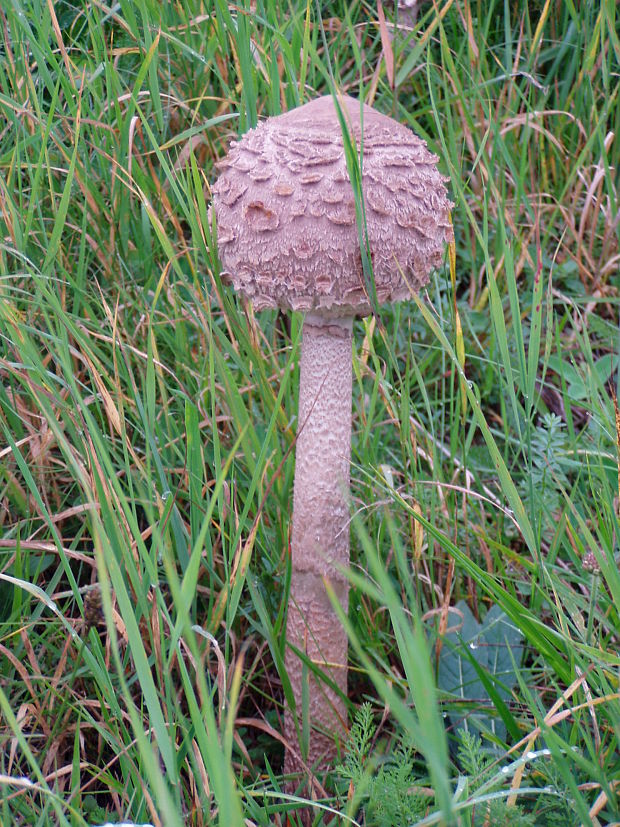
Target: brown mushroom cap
{"points": [[285, 210]]}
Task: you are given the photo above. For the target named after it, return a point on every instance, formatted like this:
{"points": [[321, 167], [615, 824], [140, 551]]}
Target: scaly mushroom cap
{"points": [[285, 211]]}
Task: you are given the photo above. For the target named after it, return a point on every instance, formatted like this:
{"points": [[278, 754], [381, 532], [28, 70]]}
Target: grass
{"points": [[146, 418]]}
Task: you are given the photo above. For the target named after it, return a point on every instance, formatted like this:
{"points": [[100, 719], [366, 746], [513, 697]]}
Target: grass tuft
{"points": [[147, 421]]}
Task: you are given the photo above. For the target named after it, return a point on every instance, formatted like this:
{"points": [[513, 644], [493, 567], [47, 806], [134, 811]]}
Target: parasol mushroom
{"points": [[287, 237]]}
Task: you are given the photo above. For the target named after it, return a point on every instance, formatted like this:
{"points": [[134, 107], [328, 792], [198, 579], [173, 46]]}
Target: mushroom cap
{"points": [[285, 211]]}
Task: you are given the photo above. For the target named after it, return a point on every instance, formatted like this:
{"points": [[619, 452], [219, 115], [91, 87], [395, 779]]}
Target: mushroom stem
{"points": [[320, 538]]}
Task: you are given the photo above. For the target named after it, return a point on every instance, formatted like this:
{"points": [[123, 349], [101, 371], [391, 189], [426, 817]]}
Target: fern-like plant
{"points": [[479, 768], [385, 789], [541, 488]]}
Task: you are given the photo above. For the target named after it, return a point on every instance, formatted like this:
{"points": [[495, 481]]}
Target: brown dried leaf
{"points": [[386, 43]]}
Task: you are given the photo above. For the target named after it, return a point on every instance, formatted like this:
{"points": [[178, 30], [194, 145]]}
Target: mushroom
{"points": [[288, 238]]}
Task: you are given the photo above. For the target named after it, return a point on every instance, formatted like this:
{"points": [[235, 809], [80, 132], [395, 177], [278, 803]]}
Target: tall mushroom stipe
{"points": [[288, 238], [320, 531]]}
